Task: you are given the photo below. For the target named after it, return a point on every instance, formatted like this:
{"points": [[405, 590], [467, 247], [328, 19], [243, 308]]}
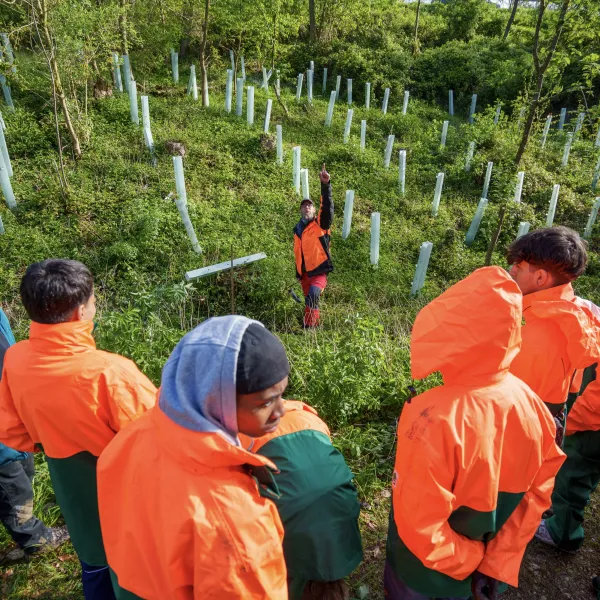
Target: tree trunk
{"points": [[188, 19], [511, 19], [42, 11], [123, 27], [416, 48], [203, 55], [312, 35], [274, 43]]}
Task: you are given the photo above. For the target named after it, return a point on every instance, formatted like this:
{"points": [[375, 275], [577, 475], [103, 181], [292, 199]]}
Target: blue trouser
{"points": [[16, 505], [312, 298], [396, 589], [97, 584]]}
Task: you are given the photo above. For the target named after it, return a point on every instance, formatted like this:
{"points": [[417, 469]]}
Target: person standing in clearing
{"points": [[476, 457], [61, 395], [312, 239]]}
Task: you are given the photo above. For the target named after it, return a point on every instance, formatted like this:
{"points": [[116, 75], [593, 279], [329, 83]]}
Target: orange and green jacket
{"points": [[60, 393], [476, 457], [560, 335], [584, 415], [318, 502], [312, 240], [182, 517]]}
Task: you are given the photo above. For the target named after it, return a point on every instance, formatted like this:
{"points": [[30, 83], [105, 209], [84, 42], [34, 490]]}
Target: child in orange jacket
{"points": [[182, 517], [476, 457], [60, 394]]}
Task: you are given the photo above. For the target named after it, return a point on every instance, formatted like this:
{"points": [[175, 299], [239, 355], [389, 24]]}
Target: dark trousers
{"points": [[16, 504], [97, 584], [396, 589]]}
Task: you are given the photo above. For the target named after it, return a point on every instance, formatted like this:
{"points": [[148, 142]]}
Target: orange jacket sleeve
{"points": [[423, 502], [504, 553], [12, 429], [585, 413], [130, 393]]}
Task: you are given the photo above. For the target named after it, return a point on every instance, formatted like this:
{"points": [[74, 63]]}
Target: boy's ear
{"points": [[78, 313]]}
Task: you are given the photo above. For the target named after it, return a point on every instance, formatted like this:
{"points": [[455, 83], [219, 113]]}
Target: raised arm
{"points": [[326, 210]]}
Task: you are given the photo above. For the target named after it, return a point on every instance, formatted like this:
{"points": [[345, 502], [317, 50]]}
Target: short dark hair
{"points": [[559, 250], [52, 289]]}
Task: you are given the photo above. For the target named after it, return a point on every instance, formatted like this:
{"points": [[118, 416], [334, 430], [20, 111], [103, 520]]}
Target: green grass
{"points": [[115, 219]]}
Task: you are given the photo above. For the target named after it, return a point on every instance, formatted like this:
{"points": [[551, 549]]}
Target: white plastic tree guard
{"points": [[561, 121], [348, 125], [7, 190], [305, 186], [497, 115], [375, 237], [596, 175], [127, 74], [175, 66], [386, 100], [348, 208], [338, 85], [7, 95], [476, 222], [2, 231], [279, 130], [488, 177], [444, 133], [299, 86], [268, 116], [230, 264], [117, 72], [181, 203], [405, 103], [597, 142], [133, 103], [552, 207], [367, 95], [472, 109], [146, 124], [243, 68], [519, 187], [329, 117], [421, 270], [232, 58], [469, 157], [309, 85], [592, 219], [451, 102], [567, 150], [524, 227], [349, 91], [387, 157], [250, 105], [179, 178], [437, 195], [546, 130], [228, 90], [363, 134], [4, 149], [324, 88], [402, 170], [239, 97], [296, 162]]}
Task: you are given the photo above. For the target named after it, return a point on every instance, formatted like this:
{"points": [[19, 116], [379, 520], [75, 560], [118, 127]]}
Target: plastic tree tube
{"points": [[312, 65], [8, 51], [363, 134], [128, 75], [469, 157], [472, 110], [488, 177], [451, 102], [596, 175], [523, 228], [309, 85], [444, 133], [375, 237], [546, 130], [175, 66], [189, 228], [437, 196], [4, 152], [405, 103], [7, 95], [476, 222], [239, 97], [299, 86], [146, 123], [402, 170], [2, 231], [279, 130], [304, 182], [567, 150], [367, 95], [7, 190], [519, 188], [386, 99], [133, 104], [552, 208], [593, 215], [179, 179], [228, 86], [268, 116], [421, 270], [597, 142], [329, 117], [349, 90], [338, 85], [265, 83], [117, 72], [563, 116], [296, 156], [388, 151], [243, 68], [324, 89], [250, 105], [497, 115], [232, 58], [348, 208], [348, 125]]}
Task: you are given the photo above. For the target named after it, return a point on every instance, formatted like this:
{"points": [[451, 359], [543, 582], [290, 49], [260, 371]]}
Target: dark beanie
{"points": [[262, 361]]}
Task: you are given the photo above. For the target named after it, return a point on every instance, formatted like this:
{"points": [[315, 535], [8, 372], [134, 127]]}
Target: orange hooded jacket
{"points": [[560, 335], [585, 413], [476, 457], [180, 509]]}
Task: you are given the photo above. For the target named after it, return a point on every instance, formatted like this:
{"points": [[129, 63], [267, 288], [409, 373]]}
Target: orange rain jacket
{"points": [[585, 413], [476, 457], [560, 335], [181, 513]]}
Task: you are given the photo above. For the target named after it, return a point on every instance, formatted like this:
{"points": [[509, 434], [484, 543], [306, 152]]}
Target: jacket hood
{"points": [[198, 381], [471, 331], [577, 321]]}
